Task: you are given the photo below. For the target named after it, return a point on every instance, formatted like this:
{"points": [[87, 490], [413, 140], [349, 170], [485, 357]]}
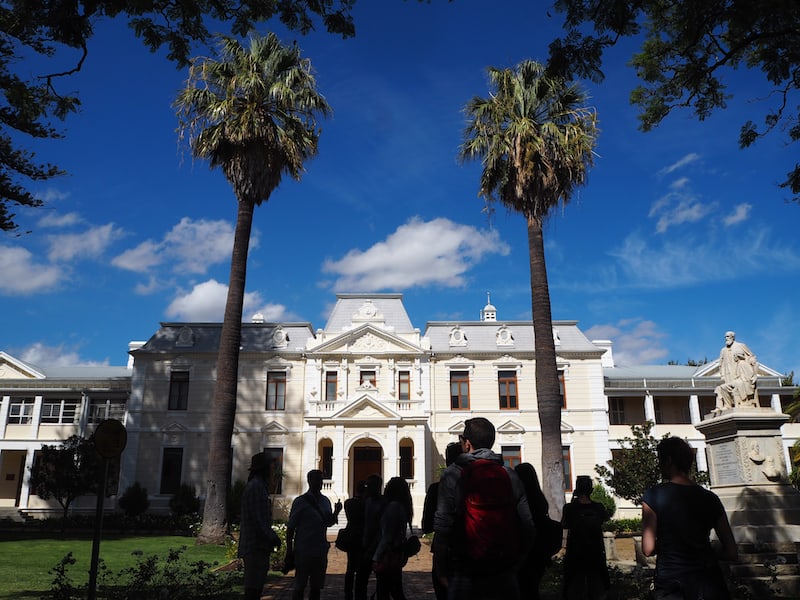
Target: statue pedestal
{"points": [[748, 473]]}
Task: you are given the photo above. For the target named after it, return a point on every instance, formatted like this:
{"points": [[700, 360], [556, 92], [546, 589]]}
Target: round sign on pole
{"points": [[110, 438]]}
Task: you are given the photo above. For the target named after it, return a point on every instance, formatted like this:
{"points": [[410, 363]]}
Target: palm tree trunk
{"points": [[223, 410], [547, 389]]}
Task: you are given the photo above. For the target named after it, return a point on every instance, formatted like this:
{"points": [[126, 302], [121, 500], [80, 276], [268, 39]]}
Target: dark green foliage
{"points": [[134, 501], [150, 577], [185, 501], [623, 525], [67, 471], [635, 467], [600, 494], [688, 49], [31, 100]]}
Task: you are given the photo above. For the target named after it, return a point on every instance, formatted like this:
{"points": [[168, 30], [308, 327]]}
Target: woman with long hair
{"points": [[389, 558], [536, 560], [677, 518]]}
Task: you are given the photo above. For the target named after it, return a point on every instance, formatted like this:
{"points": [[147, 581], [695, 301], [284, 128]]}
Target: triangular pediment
{"points": [[511, 427], [566, 427], [712, 370], [366, 408], [12, 368], [367, 339], [174, 428], [456, 428], [274, 427]]}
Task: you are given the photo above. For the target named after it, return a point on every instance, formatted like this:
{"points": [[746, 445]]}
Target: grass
{"points": [[26, 559]]}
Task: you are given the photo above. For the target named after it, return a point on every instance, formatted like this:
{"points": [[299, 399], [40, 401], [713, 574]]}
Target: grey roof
{"points": [[84, 372], [204, 337], [651, 372], [389, 306], [481, 336]]}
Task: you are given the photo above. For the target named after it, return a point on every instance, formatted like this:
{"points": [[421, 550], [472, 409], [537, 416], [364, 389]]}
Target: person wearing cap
{"points": [[586, 574], [256, 536], [307, 537]]}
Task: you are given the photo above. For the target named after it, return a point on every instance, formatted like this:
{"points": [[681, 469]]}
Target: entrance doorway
{"points": [[367, 460]]}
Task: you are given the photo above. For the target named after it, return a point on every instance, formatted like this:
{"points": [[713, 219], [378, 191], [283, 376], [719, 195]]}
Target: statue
{"points": [[738, 369]]}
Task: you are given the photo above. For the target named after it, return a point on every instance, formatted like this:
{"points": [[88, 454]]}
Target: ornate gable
{"points": [[366, 408], [367, 339]]}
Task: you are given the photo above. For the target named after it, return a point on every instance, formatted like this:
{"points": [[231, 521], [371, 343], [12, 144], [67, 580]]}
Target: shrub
{"points": [[134, 501], [185, 501], [623, 525], [600, 494]]}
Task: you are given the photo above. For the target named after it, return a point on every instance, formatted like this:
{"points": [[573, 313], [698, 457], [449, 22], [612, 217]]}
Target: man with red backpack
{"points": [[482, 519]]}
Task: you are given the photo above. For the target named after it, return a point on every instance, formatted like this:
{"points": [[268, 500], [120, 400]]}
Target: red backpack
{"points": [[491, 528]]}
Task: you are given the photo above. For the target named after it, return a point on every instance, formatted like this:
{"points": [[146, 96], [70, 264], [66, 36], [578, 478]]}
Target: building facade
{"points": [[368, 393]]}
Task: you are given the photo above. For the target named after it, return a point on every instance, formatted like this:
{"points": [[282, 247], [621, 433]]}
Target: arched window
{"points": [[406, 459], [326, 458]]}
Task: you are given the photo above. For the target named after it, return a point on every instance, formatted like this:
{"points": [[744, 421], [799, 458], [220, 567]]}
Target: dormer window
{"points": [[504, 337], [458, 337]]}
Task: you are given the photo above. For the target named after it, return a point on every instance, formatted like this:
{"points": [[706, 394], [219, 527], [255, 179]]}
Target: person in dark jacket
{"points": [[585, 569], [439, 571], [354, 511], [538, 559]]}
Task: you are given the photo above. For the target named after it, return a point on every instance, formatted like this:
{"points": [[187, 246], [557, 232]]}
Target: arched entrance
{"points": [[366, 458]]}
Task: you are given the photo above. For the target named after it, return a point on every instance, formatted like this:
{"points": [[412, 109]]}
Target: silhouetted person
{"points": [[532, 569], [585, 569], [256, 537], [373, 507], [354, 511], [677, 517], [389, 558], [306, 536], [439, 570]]}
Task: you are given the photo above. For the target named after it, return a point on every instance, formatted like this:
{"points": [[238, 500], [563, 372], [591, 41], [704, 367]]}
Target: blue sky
{"points": [[677, 237]]}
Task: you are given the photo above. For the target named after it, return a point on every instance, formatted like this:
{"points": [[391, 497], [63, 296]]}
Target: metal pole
{"points": [[98, 527]]}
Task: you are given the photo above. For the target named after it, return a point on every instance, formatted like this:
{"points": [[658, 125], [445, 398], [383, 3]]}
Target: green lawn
{"points": [[25, 558]]}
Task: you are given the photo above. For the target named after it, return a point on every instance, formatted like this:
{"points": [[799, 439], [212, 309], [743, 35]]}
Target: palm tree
{"points": [[535, 140], [252, 112]]}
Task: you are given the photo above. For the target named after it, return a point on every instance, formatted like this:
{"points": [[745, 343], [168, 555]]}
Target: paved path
{"points": [[416, 576]]}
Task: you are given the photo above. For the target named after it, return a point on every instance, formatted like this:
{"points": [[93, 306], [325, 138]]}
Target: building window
{"points": [[657, 409], [368, 377], [404, 385], [512, 456], [330, 386], [562, 389], [507, 383], [566, 460], [459, 390], [706, 404], [178, 390], [20, 411], [101, 409], [276, 390], [407, 459], [171, 465], [326, 458], [59, 411], [616, 410], [275, 473]]}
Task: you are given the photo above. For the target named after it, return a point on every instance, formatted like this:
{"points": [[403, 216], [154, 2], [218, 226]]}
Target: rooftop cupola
{"points": [[489, 312]]}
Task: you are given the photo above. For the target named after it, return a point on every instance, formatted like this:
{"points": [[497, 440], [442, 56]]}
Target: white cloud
{"points": [[688, 260], [139, 259], [42, 355], [58, 221], [51, 195], [190, 247], [682, 162], [419, 253], [636, 341], [87, 244], [21, 275], [206, 303], [740, 213], [676, 208]]}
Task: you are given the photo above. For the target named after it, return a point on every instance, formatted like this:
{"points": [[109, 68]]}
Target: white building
{"points": [[368, 393]]}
